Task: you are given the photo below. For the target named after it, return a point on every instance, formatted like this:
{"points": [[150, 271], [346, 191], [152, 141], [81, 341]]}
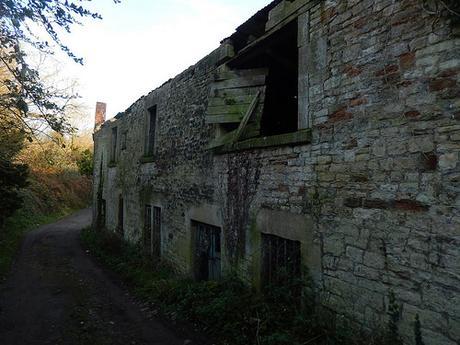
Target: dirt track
{"points": [[56, 295]]}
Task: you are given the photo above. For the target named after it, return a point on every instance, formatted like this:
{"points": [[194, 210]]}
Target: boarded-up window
{"points": [[152, 120], [152, 231], [236, 104], [113, 150], [207, 251], [256, 93], [280, 260]]}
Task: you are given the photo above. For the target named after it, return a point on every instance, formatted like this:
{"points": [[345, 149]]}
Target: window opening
{"points": [[280, 54], [113, 153], [281, 260], [207, 251], [152, 118]]}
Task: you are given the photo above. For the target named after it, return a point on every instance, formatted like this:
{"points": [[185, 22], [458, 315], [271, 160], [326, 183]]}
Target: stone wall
{"points": [[374, 198]]}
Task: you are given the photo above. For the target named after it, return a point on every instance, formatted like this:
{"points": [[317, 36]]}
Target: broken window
{"points": [[281, 260], [207, 251], [256, 93], [121, 216], [152, 231], [113, 151], [150, 142]]}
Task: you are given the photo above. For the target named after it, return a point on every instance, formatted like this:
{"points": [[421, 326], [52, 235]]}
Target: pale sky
{"points": [[140, 44]]}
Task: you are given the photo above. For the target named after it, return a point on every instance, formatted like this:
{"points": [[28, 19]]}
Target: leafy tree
{"points": [[24, 97], [85, 162], [26, 102]]}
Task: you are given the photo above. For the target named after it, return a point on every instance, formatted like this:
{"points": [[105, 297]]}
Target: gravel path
{"points": [[56, 295]]}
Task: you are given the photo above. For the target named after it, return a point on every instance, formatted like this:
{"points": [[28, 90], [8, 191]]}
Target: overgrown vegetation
{"points": [[39, 183], [229, 311], [55, 179]]}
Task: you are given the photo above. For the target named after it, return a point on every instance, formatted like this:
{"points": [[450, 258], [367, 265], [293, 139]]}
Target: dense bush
{"points": [[13, 175]]}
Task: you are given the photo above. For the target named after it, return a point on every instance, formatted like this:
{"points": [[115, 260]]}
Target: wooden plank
{"points": [[295, 138], [227, 109], [230, 100], [251, 130], [232, 74], [247, 116], [245, 91], [226, 118], [238, 83]]}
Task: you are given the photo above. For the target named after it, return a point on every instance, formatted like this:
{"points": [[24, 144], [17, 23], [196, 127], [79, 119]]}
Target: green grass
{"points": [[14, 229], [228, 311]]}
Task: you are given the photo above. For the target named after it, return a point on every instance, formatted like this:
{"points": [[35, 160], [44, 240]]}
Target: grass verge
{"points": [[14, 229], [228, 311]]}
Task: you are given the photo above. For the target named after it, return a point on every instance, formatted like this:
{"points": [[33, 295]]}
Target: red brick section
{"points": [[449, 73], [405, 83], [340, 114], [412, 113], [101, 109], [352, 71], [410, 205], [407, 60], [358, 101], [360, 23], [389, 69], [438, 84], [328, 14]]}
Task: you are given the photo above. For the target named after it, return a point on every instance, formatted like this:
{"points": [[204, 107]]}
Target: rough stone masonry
{"points": [[329, 128]]}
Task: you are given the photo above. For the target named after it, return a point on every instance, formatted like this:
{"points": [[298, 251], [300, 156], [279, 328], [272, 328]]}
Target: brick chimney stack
{"points": [[101, 109]]}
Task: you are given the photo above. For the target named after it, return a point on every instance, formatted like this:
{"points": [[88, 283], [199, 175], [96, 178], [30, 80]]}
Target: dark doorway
{"points": [[152, 231], [207, 251]]}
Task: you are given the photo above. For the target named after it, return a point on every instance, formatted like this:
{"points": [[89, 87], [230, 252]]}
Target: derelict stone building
{"points": [[323, 134]]}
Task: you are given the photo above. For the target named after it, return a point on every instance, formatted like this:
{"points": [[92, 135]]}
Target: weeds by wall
{"points": [[228, 311]]}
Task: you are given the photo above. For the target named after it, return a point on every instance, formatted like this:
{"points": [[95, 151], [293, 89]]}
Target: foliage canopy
{"points": [[24, 97]]}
